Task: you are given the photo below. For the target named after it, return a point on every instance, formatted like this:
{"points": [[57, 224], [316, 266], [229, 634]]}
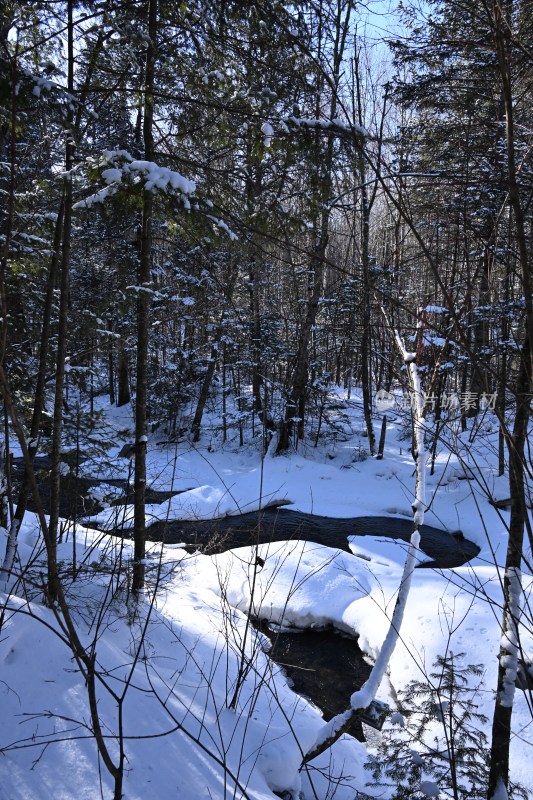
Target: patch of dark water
{"points": [[321, 664], [77, 498], [444, 549]]}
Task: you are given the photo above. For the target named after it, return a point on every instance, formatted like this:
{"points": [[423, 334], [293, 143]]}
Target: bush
{"points": [[434, 745]]}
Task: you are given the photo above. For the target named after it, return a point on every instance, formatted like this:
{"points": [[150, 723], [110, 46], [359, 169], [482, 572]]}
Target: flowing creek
{"points": [[324, 665]]}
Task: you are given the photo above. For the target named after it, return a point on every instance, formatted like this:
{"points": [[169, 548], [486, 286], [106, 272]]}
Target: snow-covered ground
{"points": [[204, 713]]}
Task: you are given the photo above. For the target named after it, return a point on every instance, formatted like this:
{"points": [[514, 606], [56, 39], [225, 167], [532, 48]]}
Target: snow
{"points": [[327, 124], [258, 743], [112, 175], [223, 226], [178, 701], [199, 503], [161, 177], [268, 131], [299, 585], [42, 84], [429, 788], [119, 164], [436, 309], [510, 639], [500, 792]]}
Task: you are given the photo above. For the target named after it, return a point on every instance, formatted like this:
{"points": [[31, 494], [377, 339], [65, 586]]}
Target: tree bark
{"points": [[503, 709], [143, 307], [124, 395], [204, 391], [111, 366], [62, 329], [516, 442], [295, 406], [366, 344]]}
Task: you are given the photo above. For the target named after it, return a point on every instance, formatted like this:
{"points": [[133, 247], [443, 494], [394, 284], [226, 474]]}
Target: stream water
{"points": [[442, 548], [323, 665]]}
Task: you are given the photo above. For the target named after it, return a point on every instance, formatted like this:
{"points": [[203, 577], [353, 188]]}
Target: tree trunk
{"points": [[62, 330], [124, 395], [111, 366], [366, 353], [360, 700], [503, 709], [211, 367], [204, 391], [296, 401], [479, 384], [297, 397], [7, 234], [143, 306]]}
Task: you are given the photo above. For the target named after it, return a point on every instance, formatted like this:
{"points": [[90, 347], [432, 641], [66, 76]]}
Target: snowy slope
{"points": [[183, 734]]}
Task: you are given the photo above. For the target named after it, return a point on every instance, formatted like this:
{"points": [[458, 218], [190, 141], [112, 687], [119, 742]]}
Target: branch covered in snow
{"points": [[118, 167], [419, 503], [335, 125]]}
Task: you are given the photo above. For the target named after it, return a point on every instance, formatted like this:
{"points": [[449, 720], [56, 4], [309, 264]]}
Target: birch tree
{"points": [[362, 698]]}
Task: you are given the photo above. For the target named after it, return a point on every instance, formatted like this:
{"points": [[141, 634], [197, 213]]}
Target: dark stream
{"points": [[323, 665], [75, 500], [444, 549]]}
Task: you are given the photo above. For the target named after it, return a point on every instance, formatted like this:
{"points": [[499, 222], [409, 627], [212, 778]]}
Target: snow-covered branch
{"points": [[118, 167], [335, 125]]}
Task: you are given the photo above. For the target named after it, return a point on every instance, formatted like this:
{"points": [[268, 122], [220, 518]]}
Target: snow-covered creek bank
{"points": [[324, 567], [80, 496], [321, 664]]}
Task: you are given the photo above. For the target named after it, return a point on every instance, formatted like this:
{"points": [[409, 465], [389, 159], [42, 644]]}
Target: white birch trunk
{"points": [[360, 700], [11, 552]]}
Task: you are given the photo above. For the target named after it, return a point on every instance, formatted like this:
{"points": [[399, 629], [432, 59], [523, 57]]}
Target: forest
{"points": [[254, 255]]}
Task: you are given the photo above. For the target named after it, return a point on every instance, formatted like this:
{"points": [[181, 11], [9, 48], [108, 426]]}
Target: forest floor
{"points": [[205, 712]]}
